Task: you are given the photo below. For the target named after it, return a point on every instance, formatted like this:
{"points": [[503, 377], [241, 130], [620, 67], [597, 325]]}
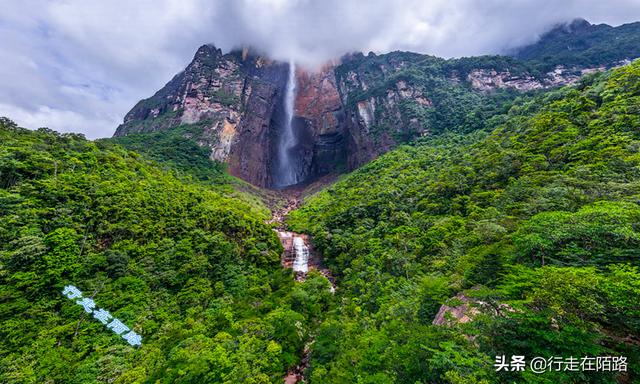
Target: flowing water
{"points": [[299, 255], [301, 262], [287, 170]]}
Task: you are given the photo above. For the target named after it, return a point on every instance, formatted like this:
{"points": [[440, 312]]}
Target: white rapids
{"points": [[301, 262]]}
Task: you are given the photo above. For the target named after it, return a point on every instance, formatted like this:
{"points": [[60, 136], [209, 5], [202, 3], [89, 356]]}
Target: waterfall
{"points": [[287, 174], [301, 262]]}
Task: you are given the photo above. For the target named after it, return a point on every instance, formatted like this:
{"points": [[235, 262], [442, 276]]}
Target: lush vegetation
{"points": [[536, 221], [437, 95], [448, 103], [584, 45], [177, 149], [195, 271], [521, 211]]}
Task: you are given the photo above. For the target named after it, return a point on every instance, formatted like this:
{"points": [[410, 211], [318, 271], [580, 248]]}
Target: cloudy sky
{"points": [[79, 66]]}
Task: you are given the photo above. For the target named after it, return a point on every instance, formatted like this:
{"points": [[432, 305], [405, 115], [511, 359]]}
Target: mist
{"points": [[78, 66]]}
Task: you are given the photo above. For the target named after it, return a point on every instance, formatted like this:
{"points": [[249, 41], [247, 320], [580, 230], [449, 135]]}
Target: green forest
{"points": [[189, 265], [536, 220], [530, 224]]}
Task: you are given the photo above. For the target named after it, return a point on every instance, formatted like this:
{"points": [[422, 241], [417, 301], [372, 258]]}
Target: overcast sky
{"points": [[79, 66]]}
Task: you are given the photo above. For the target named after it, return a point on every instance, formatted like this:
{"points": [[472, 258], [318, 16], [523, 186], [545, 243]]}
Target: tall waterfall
{"points": [[301, 262], [287, 174]]}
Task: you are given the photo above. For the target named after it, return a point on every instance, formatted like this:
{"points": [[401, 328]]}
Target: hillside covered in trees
{"points": [[189, 265], [529, 227], [532, 226]]}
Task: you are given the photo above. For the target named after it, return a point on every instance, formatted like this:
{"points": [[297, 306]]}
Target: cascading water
{"points": [[300, 256], [287, 174], [301, 262]]}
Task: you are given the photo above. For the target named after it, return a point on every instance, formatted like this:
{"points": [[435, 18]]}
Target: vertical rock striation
{"points": [[234, 99], [319, 115], [348, 112]]}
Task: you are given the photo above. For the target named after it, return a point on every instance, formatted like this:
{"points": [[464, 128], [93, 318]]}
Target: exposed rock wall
{"points": [[320, 114], [488, 80], [375, 101], [345, 114], [234, 99], [210, 90], [237, 101], [250, 155]]}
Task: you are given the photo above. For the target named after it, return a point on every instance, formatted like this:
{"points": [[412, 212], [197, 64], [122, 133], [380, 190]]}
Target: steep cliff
{"points": [[320, 113], [394, 98], [233, 99], [350, 111]]}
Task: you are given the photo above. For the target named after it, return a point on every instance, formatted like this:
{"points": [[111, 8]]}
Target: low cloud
{"points": [[49, 117], [79, 66]]}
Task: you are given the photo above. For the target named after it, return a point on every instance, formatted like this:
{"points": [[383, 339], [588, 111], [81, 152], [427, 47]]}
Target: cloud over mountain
{"points": [[79, 66]]}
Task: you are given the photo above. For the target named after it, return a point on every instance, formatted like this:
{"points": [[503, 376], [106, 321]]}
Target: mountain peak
{"points": [[206, 51], [567, 28], [354, 109], [578, 43], [577, 25], [207, 48]]}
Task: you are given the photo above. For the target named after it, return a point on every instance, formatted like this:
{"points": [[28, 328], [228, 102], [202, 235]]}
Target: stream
{"points": [[299, 255]]}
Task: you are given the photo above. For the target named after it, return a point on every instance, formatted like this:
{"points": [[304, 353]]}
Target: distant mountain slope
{"points": [[345, 114], [582, 44], [528, 236], [356, 108]]}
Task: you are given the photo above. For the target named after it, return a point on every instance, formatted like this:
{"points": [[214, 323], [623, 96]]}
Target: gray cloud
{"points": [[79, 66]]}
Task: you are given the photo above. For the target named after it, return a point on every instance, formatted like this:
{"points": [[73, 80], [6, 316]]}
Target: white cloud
{"points": [[62, 120], [80, 65]]}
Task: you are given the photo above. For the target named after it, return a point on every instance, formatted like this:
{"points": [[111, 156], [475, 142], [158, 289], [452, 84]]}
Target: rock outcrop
{"points": [[460, 312], [236, 100], [463, 309], [318, 108], [345, 114], [488, 80], [378, 99], [233, 98]]}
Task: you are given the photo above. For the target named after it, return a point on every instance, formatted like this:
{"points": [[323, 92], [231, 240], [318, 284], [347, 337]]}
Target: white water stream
{"points": [[301, 262], [287, 174]]}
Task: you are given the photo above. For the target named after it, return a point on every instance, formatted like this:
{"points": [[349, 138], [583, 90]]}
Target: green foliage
{"points": [[534, 218], [439, 104], [225, 98], [537, 219], [599, 234], [417, 95], [177, 149], [565, 311], [187, 264], [583, 44]]}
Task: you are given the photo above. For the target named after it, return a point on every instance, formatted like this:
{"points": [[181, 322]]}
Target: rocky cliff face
{"points": [[382, 104], [319, 112], [237, 100], [345, 114], [234, 99]]}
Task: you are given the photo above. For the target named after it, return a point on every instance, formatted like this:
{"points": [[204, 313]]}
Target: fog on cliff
{"points": [[79, 66]]}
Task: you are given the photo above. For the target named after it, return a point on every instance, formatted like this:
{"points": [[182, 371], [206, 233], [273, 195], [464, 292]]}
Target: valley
{"points": [[381, 218]]}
